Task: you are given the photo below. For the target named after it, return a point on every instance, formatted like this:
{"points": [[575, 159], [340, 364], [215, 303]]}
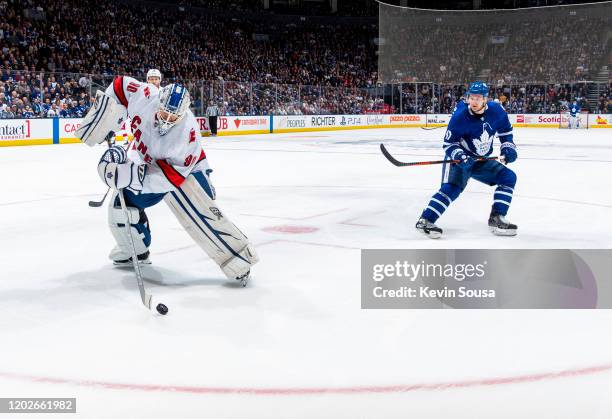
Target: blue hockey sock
{"points": [[502, 199], [440, 201], [506, 179]]}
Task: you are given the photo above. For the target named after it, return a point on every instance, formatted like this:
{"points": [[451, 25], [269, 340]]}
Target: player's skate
{"points": [[500, 226], [428, 228], [119, 258]]}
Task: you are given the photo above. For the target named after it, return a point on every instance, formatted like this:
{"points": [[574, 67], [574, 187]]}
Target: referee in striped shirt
{"points": [[212, 112]]}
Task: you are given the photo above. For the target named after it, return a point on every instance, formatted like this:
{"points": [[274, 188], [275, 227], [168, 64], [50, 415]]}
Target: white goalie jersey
{"points": [[169, 158]]}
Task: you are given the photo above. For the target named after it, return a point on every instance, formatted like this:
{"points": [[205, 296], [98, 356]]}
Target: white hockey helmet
{"points": [[154, 73], [174, 102]]}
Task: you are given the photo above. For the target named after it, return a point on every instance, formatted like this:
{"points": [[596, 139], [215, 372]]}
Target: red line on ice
{"points": [[318, 390]]}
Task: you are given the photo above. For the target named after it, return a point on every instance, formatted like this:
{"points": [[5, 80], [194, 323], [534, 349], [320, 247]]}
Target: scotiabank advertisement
{"points": [[554, 120], [527, 120]]}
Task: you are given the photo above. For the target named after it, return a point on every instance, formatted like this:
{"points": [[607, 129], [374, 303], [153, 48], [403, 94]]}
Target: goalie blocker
{"points": [[194, 206]]}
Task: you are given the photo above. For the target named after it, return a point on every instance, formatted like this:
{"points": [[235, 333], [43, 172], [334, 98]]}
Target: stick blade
{"points": [[391, 158], [147, 300]]}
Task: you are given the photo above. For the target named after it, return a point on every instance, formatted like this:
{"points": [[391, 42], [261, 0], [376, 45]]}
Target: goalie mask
{"points": [[174, 102]]}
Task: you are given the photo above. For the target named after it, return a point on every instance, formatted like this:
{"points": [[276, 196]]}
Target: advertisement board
{"points": [[236, 125], [26, 132], [61, 130]]}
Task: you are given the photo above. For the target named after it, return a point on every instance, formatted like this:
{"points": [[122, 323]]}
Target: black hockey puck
{"points": [[162, 309]]}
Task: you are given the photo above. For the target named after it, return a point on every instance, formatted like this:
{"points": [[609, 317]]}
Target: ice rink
{"points": [[295, 343]]}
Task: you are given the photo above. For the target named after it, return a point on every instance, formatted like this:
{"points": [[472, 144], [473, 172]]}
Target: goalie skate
{"points": [[143, 259]]}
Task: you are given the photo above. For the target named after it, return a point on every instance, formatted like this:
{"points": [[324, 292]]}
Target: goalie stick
{"points": [[398, 163], [96, 204], [144, 297], [110, 142]]}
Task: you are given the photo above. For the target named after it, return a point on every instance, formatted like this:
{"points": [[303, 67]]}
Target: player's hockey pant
{"points": [[455, 179]]}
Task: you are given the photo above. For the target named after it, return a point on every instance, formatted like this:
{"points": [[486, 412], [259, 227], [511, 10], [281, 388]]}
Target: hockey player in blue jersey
{"points": [[574, 111], [469, 137], [461, 103]]}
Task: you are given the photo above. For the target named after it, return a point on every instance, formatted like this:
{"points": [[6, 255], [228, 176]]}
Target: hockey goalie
{"points": [[165, 161]]}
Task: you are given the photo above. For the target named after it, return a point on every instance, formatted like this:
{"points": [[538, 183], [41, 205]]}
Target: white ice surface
{"points": [[68, 315]]}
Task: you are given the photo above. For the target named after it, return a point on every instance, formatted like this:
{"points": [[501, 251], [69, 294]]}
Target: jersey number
{"points": [[132, 87], [188, 160]]}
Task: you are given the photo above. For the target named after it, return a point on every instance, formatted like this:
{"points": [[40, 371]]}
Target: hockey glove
{"points": [[118, 172], [508, 152], [465, 161], [115, 154]]}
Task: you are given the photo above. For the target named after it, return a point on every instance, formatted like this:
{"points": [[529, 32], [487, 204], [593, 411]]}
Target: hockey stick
{"points": [[146, 298], [430, 128], [110, 142], [398, 163], [99, 203]]}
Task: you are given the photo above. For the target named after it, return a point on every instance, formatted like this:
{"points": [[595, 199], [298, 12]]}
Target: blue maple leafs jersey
{"points": [[460, 105], [474, 134], [574, 110]]}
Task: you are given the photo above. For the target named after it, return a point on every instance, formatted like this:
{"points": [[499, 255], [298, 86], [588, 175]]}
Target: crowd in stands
{"points": [[183, 45], [231, 5], [604, 102], [355, 8], [51, 52], [520, 49], [548, 51], [261, 99], [515, 99], [39, 95]]}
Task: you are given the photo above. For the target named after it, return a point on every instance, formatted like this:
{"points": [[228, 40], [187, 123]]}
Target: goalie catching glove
{"points": [[118, 172]]}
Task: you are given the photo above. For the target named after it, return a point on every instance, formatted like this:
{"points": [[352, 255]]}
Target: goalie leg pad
{"points": [[194, 206], [140, 230], [102, 119]]}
